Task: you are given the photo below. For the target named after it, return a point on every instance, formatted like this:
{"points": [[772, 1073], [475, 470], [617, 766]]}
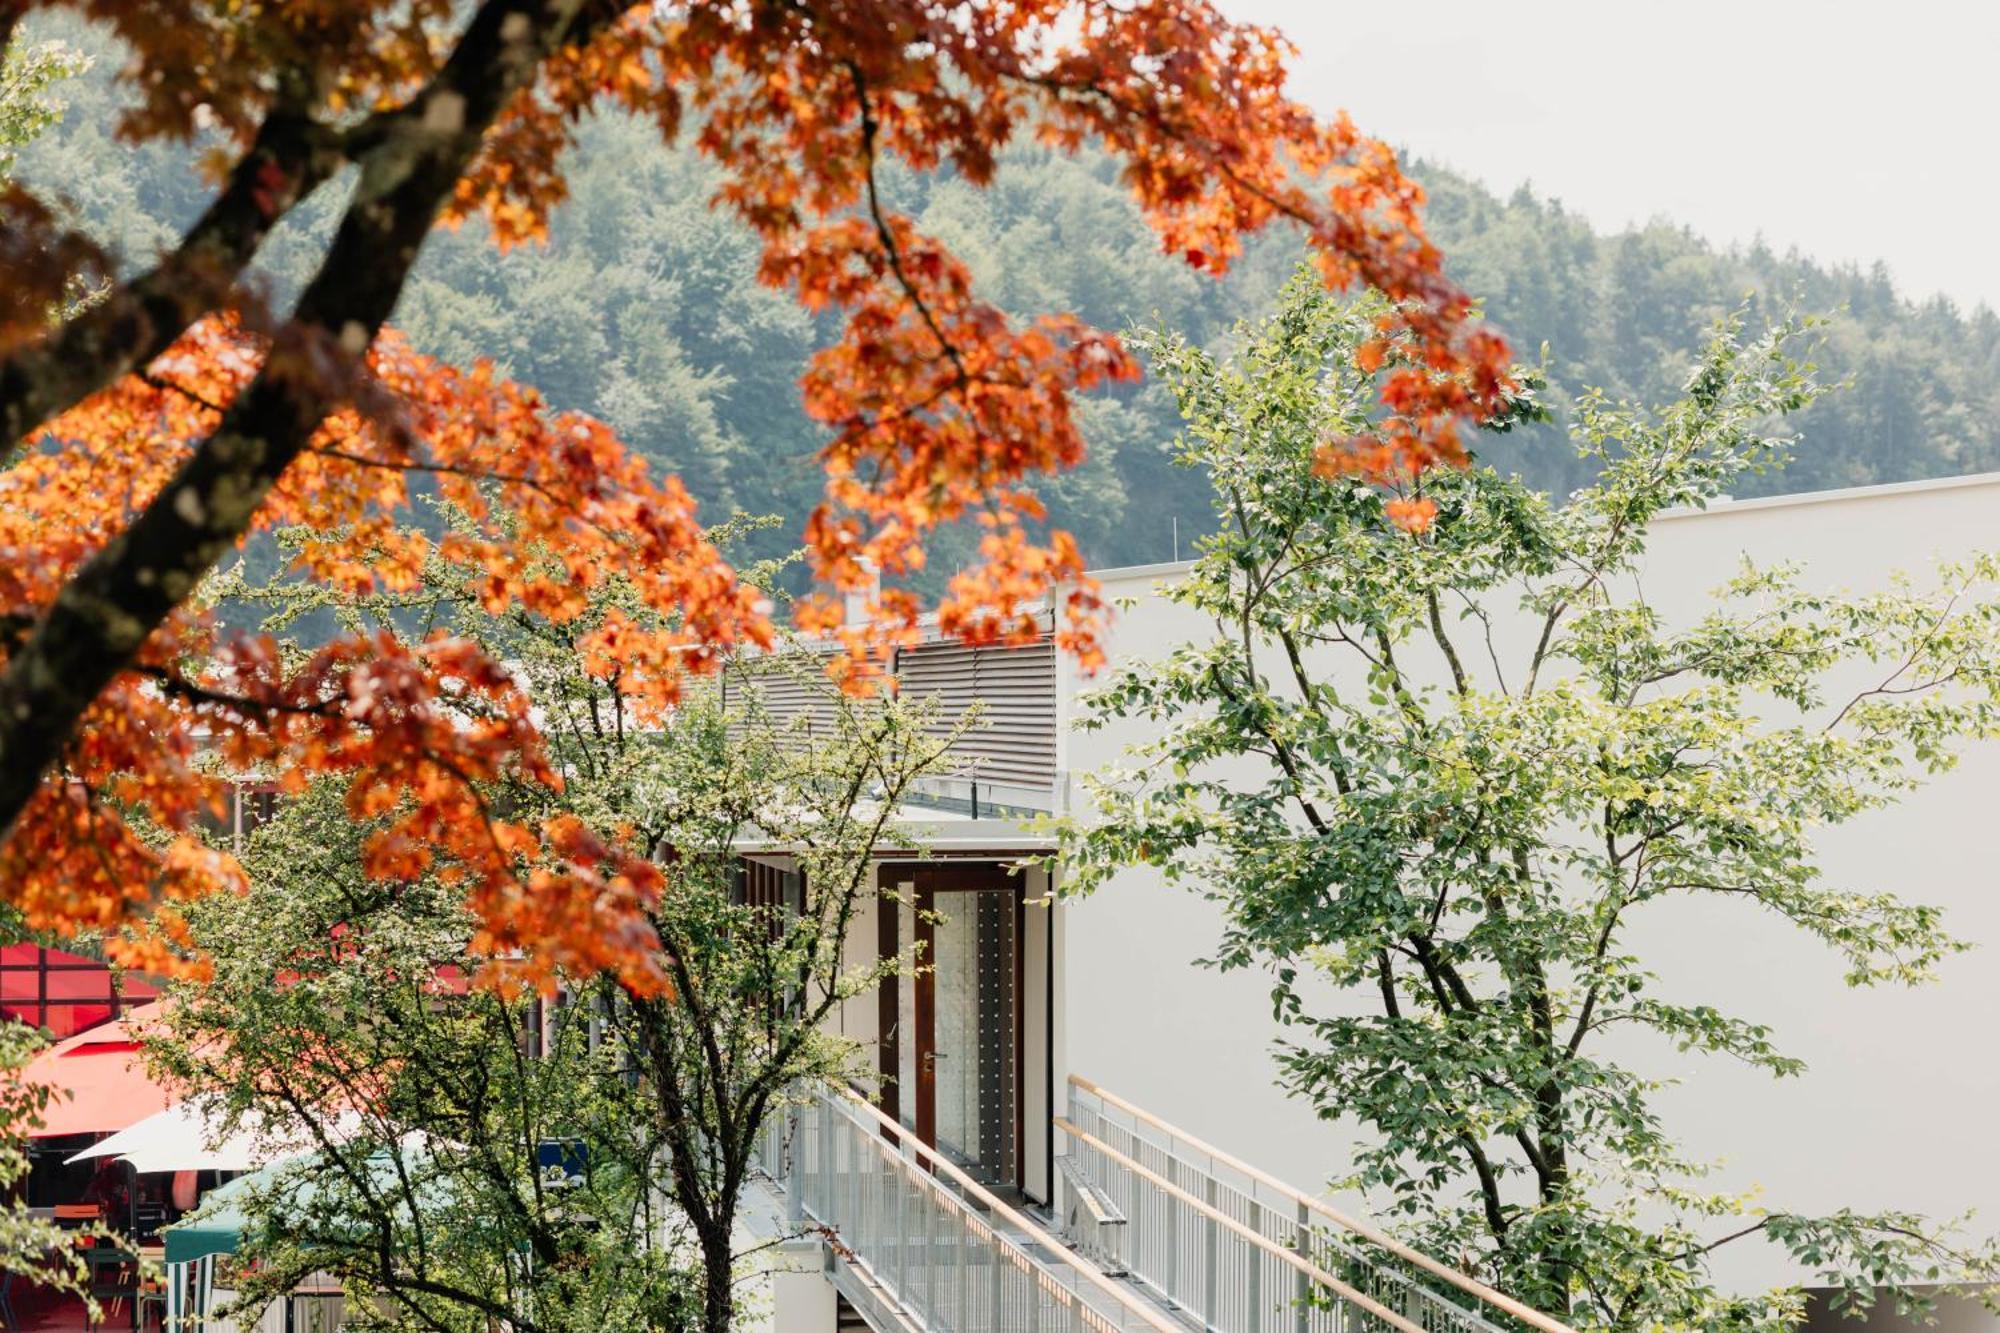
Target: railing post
{"points": [[1135, 1250], [851, 1220], [1210, 1302], [1303, 1293], [792, 1157], [824, 1196], [1253, 1260], [902, 1188], [964, 1276], [931, 1206], [996, 1260]]}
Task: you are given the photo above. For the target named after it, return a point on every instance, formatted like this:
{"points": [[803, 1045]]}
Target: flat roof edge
{"points": [[1160, 570], [1886, 490], [1835, 495]]}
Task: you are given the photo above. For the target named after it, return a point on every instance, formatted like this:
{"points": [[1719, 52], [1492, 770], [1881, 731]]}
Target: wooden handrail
{"points": [[1152, 1318], [1470, 1286], [1261, 1241]]}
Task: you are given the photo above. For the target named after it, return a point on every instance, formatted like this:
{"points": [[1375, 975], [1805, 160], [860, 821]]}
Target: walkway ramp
{"points": [[1237, 1251], [916, 1244], [1166, 1235]]}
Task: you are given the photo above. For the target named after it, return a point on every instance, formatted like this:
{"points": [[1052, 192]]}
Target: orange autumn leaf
{"points": [[936, 406], [1412, 514], [388, 716]]}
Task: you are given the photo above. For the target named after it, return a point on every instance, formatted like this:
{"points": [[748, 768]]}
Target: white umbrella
{"points": [[181, 1138]]}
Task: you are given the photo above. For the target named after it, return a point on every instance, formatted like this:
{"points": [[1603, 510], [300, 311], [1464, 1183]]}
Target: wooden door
{"points": [[956, 1087]]}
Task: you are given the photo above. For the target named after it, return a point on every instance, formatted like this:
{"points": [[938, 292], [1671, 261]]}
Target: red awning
{"points": [[100, 1078]]}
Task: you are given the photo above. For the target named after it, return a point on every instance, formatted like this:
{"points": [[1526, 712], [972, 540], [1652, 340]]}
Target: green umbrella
{"points": [[217, 1226]]}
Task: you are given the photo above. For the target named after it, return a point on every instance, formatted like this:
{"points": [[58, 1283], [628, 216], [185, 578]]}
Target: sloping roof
{"points": [[99, 1077]]}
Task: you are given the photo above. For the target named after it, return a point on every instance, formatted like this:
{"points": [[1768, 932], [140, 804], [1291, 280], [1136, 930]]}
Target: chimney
{"points": [[856, 603]]}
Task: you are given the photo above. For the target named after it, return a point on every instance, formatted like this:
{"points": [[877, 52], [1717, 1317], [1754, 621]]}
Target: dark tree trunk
{"points": [[119, 596], [718, 1275]]}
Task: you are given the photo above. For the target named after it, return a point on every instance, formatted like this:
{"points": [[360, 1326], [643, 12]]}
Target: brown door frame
{"points": [[928, 879], [889, 995]]}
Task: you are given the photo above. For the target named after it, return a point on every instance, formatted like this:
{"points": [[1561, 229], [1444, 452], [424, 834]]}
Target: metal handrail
{"points": [[989, 1203], [1290, 1259], [861, 1177], [1306, 1204]]}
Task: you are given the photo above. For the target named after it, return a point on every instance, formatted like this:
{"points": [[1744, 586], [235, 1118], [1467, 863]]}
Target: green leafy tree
{"points": [[743, 1026], [1438, 774], [712, 1059], [28, 72], [337, 1023], [31, 1249]]}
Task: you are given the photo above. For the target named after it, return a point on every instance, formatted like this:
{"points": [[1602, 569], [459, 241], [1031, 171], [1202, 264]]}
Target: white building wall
{"points": [[1903, 1087], [858, 1017], [1037, 942]]}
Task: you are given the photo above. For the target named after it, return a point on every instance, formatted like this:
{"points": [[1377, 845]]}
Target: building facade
{"points": [[1032, 1001]]}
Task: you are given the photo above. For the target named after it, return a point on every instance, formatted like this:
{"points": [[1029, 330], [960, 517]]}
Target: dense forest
{"points": [[643, 309]]}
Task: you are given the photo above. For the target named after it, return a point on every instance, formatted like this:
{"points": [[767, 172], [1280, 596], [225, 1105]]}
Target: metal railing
{"points": [[1244, 1253], [920, 1232]]}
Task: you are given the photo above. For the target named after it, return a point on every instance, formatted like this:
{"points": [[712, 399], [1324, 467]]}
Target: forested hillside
{"points": [[643, 309]]}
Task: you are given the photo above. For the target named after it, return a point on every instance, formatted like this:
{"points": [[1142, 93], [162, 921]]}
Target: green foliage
{"points": [[1619, 312], [1441, 772], [28, 71], [338, 1021], [644, 309], [745, 1025], [673, 1089], [31, 1249]]}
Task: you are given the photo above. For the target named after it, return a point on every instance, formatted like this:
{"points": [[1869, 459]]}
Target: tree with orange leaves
{"points": [[148, 434], [725, 1022]]}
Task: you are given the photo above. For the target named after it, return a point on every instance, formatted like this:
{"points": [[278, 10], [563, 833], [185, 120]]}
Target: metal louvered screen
{"points": [[1013, 742], [789, 686], [1014, 739]]}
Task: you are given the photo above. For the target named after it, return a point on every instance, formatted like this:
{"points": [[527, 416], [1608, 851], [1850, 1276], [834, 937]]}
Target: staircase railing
{"points": [[1244, 1253], [954, 1258]]}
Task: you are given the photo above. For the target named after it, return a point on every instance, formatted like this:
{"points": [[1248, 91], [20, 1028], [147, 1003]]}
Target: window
{"points": [[248, 806], [64, 992]]}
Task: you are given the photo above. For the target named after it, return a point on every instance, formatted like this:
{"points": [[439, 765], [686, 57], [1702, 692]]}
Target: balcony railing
{"points": [[910, 1229], [1244, 1253]]}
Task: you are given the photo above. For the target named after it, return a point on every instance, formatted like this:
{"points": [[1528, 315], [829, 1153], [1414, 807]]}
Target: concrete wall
{"points": [[1903, 1087]]}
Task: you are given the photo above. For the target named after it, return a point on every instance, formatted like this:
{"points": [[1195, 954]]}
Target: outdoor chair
{"points": [[114, 1279], [71, 1216], [147, 1219]]}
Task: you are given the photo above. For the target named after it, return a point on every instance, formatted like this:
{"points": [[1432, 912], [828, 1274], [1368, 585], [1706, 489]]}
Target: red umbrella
{"points": [[103, 1076]]}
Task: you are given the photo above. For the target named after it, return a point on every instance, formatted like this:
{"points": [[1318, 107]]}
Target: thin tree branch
{"points": [[103, 616]]}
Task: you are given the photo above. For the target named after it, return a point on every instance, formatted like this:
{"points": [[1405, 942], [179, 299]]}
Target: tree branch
{"points": [[1458, 678], [104, 614], [291, 157]]}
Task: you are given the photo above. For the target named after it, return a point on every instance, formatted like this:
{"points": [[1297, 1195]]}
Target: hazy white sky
{"points": [[1853, 130]]}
